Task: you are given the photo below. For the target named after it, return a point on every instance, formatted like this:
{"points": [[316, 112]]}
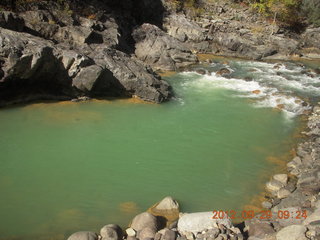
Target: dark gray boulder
{"points": [[32, 66], [160, 50], [132, 77]]}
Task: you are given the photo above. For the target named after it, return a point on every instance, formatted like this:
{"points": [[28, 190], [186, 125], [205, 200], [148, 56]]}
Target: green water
{"points": [[78, 166]]}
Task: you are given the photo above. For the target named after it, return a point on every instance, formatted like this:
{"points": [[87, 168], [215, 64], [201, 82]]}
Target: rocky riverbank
{"points": [[292, 211]]}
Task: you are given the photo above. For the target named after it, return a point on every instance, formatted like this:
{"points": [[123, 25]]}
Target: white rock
{"points": [[131, 232], [198, 222], [292, 232], [283, 178]]}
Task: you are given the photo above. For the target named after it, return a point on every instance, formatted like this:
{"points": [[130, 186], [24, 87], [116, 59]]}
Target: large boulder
{"points": [[200, 221], [160, 50], [84, 236], [111, 232], [167, 208], [32, 66], [144, 220], [133, 78]]}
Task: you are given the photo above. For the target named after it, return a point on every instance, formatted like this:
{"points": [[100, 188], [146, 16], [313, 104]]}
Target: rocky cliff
{"points": [[71, 48]]}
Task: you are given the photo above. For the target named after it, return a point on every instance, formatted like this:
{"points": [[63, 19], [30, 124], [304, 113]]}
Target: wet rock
{"points": [[223, 71], [198, 222], [256, 91], [160, 50], [84, 236], [144, 220], [168, 208], [201, 71], [168, 204], [111, 232], [293, 232]]}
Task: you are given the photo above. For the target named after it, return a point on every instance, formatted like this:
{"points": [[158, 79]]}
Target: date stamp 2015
{"points": [[250, 214]]}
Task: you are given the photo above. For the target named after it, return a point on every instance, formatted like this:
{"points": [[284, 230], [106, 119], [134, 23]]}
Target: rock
{"points": [[133, 78], [266, 204], [189, 236], [290, 218], [201, 71], [111, 232], [282, 178], [131, 232], [94, 79], [77, 35], [169, 235], [168, 203], [181, 28], [211, 233], [198, 222], [84, 236], [144, 220], [146, 233], [131, 238], [309, 37], [161, 51], [256, 91], [274, 185], [283, 193], [314, 217], [41, 67], [293, 232], [223, 71]]}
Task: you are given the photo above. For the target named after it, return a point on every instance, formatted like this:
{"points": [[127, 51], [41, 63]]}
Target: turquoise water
{"points": [[66, 167]]}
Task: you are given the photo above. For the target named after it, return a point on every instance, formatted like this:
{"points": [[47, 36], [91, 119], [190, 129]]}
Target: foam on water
{"points": [[269, 85]]}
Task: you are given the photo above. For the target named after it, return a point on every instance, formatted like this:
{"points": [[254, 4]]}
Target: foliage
{"points": [[285, 11], [311, 10], [190, 6]]}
